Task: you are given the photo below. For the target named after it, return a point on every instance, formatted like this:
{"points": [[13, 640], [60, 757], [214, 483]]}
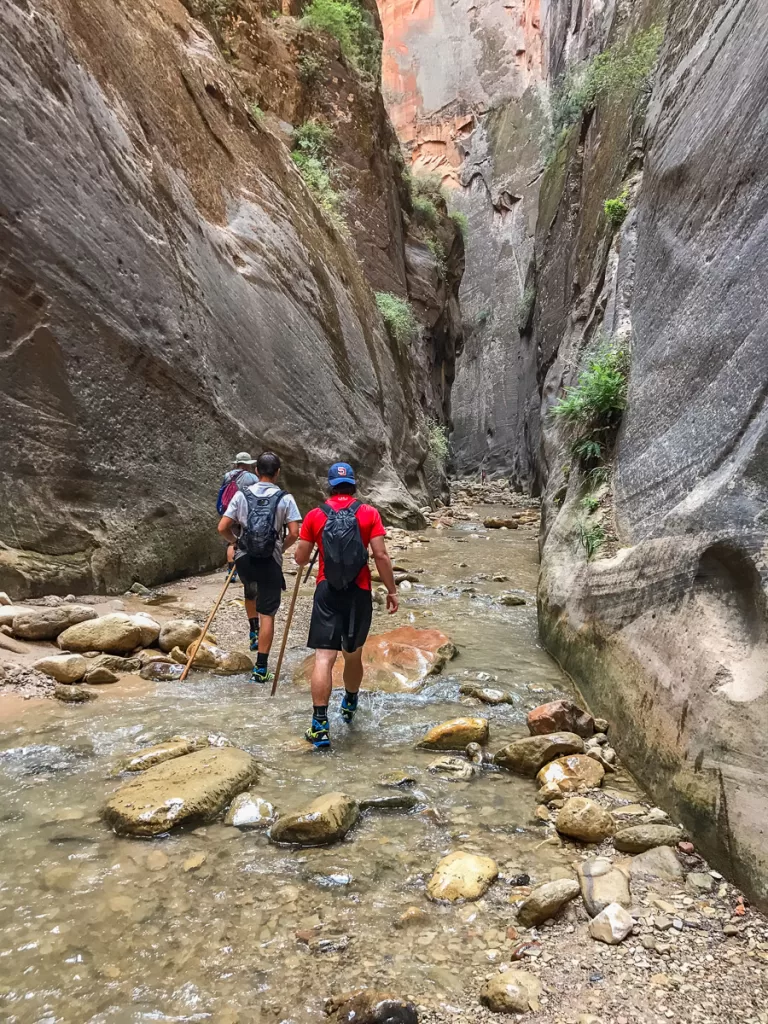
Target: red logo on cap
{"points": [[341, 471]]}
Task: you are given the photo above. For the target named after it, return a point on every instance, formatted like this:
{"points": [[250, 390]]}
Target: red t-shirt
{"points": [[370, 526]]}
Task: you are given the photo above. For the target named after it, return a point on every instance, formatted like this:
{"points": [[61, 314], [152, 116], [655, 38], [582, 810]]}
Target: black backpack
{"points": [[344, 553], [259, 536]]}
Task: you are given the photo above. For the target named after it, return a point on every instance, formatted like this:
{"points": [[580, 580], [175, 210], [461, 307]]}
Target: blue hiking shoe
{"points": [[254, 638], [318, 734], [235, 577], [261, 675], [348, 707]]}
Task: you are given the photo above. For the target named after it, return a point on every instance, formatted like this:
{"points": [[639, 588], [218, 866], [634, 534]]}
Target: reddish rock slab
{"points": [[399, 661], [560, 716]]}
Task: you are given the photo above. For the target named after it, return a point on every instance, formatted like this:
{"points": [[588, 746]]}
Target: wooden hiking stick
{"points": [[290, 619], [207, 625]]}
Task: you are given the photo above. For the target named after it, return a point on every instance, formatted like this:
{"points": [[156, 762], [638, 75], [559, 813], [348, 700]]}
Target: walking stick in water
{"points": [[288, 621], [207, 625]]}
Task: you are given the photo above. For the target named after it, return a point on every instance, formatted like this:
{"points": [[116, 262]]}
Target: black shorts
{"points": [[263, 582], [341, 619]]}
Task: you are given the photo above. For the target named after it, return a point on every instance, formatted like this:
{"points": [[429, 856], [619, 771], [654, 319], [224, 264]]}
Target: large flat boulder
{"points": [[193, 787], [529, 754], [399, 661], [47, 623], [325, 820], [113, 634]]}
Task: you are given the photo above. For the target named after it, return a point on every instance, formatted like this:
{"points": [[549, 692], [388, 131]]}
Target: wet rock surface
{"points": [[192, 787], [560, 716], [528, 755], [455, 734], [370, 1007], [462, 876], [325, 820]]}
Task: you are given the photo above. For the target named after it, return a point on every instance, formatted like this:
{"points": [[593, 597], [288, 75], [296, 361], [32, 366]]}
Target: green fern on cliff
{"points": [[438, 443], [617, 209]]}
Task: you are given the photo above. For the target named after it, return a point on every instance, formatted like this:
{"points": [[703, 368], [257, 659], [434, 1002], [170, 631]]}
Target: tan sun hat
{"points": [[244, 457]]}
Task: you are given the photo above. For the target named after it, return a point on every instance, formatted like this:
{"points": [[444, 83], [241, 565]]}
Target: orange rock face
{"points": [[442, 67], [560, 716], [399, 661]]}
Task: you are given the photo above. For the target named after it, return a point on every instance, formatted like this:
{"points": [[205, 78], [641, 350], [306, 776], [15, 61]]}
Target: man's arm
{"points": [[384, 566], [303, 552], [225, 529], [292, 536]]}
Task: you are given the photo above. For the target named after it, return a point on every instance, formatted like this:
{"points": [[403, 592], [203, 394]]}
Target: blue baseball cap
{"points": [[341, 473]]}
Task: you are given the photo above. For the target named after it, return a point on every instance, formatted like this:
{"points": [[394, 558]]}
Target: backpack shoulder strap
{"points": [[328, 509], [355, 506]]}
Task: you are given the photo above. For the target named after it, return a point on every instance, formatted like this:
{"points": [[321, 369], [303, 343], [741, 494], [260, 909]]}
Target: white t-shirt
{"points": [[287, 512]]}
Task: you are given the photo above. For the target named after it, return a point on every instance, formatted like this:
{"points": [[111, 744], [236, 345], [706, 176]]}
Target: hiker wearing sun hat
{"points": [[343, 528], [235, 480]]}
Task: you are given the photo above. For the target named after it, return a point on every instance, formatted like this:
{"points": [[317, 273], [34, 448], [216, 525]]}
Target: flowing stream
{"points": [[98, 928]]}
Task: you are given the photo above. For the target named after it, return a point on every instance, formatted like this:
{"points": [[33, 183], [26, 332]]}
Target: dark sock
{"points": [[261, 660], [254, 624], [351, 698], [320, 712]]}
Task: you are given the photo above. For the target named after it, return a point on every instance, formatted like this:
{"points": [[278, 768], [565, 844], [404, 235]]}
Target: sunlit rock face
{"points": [[462, 86]]}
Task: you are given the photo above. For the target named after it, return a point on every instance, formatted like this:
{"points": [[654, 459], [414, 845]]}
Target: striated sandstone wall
{"points": [[665, 629], [171, 293]]}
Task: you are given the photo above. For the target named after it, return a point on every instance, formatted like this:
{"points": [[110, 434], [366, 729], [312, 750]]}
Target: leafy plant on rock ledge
{"points": [[311, 154], [591, 410], [439, 445], [398, 316], [591, 536], [617, 209], [355, 31]]}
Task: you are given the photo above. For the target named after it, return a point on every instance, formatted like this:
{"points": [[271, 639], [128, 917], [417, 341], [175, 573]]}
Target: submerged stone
{"points": [[369, 1006], [487, 695], [399, 661], [72, 694], [455, 768], [194, 786], [462, 876], [325, 820], [391, 802], [166, 751]]}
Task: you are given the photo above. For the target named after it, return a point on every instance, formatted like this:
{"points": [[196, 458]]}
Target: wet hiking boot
{"points": [[254, 638], [348, 707], [235, 578], [318, 733], [261, 675]]}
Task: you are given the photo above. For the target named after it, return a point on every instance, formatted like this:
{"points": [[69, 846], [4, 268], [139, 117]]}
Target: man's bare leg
{"points": [[266, 633], [321, 684], [353, 677]]}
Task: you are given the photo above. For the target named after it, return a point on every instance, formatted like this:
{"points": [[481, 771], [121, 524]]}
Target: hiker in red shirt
{"points": [[343, 528]]}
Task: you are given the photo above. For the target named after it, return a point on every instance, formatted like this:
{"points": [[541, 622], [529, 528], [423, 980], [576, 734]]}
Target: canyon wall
{"points": [[664, 627], [172, 293], [463, 88], [654, 572]]}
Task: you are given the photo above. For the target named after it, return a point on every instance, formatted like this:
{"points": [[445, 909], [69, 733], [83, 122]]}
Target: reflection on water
{"points": [[98, 928]]}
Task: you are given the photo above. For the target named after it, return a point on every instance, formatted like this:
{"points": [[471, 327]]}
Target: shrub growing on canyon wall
{"points": [[591, 536], [625, 67], [311, 67], [314, 138], [617, 209], [398, 316], [424, 211], [437, 249], [311, 151], [461, 221], [354, 29], [439, 445]]}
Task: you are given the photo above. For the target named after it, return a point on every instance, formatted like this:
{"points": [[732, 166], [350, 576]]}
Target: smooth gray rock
{"points": [[47, 623]]}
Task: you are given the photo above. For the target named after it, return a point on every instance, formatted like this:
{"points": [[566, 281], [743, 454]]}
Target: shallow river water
{"points": [[99, 928]]}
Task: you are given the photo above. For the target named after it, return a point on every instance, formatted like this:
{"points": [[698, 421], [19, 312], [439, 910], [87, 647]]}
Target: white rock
{"points": [[611, 925], [150, 630], [64, 668]]}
